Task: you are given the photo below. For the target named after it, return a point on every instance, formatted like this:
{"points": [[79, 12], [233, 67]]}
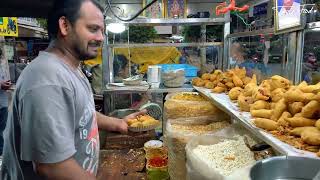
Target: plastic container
{"points": [[190, 71]]}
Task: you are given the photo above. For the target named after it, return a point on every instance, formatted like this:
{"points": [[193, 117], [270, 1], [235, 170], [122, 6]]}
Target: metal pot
{"points": [[285, 168]]}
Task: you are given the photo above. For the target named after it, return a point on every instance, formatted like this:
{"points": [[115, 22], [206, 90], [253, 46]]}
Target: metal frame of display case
{"points": [[107, 53]]}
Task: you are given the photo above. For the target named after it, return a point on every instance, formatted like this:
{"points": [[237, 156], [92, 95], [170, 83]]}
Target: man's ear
{"points": [[64, 26]]}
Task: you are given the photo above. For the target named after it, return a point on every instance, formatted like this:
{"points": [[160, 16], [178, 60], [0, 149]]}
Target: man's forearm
{"points": [[68, 169], [107, 123]]}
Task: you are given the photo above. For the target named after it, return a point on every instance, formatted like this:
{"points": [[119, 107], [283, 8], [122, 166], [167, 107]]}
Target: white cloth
{"points": [[289, 18]]}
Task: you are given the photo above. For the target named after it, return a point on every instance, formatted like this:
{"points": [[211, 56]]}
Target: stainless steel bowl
{"points": [[285, 168]]}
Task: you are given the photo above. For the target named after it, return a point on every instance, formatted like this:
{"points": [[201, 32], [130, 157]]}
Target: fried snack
{"points": [[246, 80], [250, 89], [229, 85], [298, 131], [137, 124], [260, 105], [310, 88], [279, 82], [200, 83], [300, 121], [279, 108], [205, 76], [311, 137], [318, 153], [294, 95], [282, 121], [244, 102], [262, 113], [295, 107], [303, 84], [217, 72], [318, 124], [209, 85], [235, 92], [132, 121], [213, 77], [195, 80], [237, 81], [219, 89], [266, 124], [188, 96], [309, 97], [222, 85], [311, 110], [277, 94], [266, 84], [241, 73], [262, 94]]}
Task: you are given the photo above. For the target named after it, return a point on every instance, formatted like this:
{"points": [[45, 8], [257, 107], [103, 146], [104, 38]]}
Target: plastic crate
{"points": [[190, 71]]}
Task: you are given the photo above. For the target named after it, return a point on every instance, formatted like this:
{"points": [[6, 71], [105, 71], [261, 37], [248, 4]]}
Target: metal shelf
{"points": [[223, 102], [169, 22], [252, 33], [166, 45]]}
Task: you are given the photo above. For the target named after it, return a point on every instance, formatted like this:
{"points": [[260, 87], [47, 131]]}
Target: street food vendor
{"points": [[52, 129]]}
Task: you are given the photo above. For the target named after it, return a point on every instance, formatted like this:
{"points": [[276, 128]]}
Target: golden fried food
{"points": [[279, 108], [303, 84], [295, 107], [237, 81], [219, 89], [235, 92], [213, 77], [310, 88], [318, 124], [298, 130], [199, 83], [282, 121], [311, 137], [217, 72], [266, 84], [209, 85], [318, 153], [132, 121], [137, 124], [294, 95], [241, 73], [222, 85], [300, 121], [277, 94], [194, 80], [142, 121], [309, 97], [266, 124], [205, 76], [229, 85], [250, 89], [260, 104], [311, 110], [262, 113], [279, 82], [262, 94], [244, 102], [246, 80]]}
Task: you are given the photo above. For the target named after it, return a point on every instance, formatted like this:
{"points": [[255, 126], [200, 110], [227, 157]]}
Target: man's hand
{"points": [[5, 85]]}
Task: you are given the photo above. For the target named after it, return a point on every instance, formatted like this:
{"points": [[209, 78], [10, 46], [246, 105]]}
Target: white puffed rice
{"points": [[225, 156]]}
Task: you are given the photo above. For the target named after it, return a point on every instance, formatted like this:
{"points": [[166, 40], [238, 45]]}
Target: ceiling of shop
{"points": [[39, 8], [25, 8]]}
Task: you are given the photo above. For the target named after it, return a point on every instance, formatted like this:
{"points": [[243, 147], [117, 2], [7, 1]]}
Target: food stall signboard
{"points": [[8, 26]]}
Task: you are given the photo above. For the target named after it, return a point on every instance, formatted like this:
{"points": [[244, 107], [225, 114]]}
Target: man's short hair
{"points": [[68, 8]]}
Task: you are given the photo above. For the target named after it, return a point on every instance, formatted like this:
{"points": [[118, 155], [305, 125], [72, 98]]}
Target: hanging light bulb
{"points": [[116, 27]]}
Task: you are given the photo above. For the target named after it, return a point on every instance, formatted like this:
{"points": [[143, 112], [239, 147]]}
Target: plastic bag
{"points": [[176, 140], [198, 170], [173, 78]]}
